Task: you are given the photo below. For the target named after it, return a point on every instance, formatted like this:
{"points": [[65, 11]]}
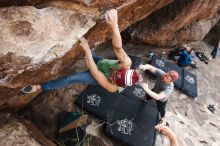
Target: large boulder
{"points": [[179, 22], [195, 32], [16, 131], [41, 44]]}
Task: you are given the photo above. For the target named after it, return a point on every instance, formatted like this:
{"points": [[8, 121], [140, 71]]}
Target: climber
{"points": [[162, 88], [110, 74]]}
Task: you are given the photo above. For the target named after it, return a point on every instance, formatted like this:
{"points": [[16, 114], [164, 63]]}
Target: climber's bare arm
{"points": [[111, 18], [99, 76]]}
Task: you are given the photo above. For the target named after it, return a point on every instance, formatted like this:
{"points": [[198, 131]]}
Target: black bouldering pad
{"points": [[98, 101], [190, 84], [135, 61], [159, 63], [133, 122], [135, 92]]}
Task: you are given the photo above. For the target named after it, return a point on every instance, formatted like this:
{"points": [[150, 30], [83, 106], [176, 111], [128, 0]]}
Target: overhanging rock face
{"points": [[163, 26], [33, 38], [41, 34], [41, 44]]}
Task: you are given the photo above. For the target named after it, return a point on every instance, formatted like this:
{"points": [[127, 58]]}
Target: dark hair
{"points": [[192, 49]]}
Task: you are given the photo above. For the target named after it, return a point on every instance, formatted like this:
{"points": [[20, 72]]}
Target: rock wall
{"points": [[179, 22], [41, 44], [195, 32], [15, 131], [33, 42], [99, 4]]}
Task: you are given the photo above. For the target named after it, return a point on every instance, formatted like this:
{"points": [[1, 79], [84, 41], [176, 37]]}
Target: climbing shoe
{"points": [[28, 89]]}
